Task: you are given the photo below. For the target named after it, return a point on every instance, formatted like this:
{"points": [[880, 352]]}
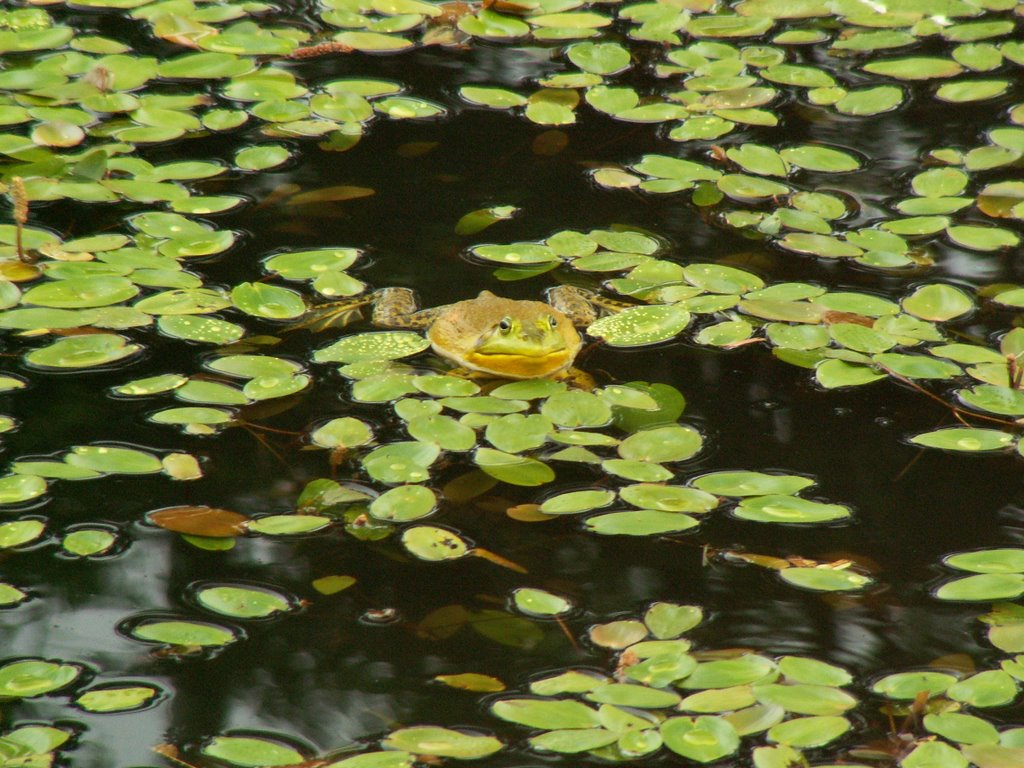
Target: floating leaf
{"points": [[18, 532], [268, 301], [547, 714], [115, 698], [402, 462], [538, 602], [380, 345], [964, 439], [824, 580], [703, 739], [985, 586], [751, 483], [808, 732], [513, 469], [906, 686], [31, 677], [199, 521], [88, 542], [112, 459], [1002, 560], [404, 503], [242, 602], [640, 326], [288, 525], [17, 488], [250, 752], [915, 68], [640, 522], [789, 509]]}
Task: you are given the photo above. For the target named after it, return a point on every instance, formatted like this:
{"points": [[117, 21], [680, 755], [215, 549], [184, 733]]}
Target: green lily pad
{"points": [[742, 187], [87, 542], [539, 602], [116, 698], [378, 345], [668, 498], [209, 330], [573, 741], [404, 503], [288, 525], [789, 509], [984, 586], [514, 433], [991, 688], [659, 444], [513, 469], [81, 292], [808, 732], [444, 742], [814, 157], [113, 460], [242, 602], [980, 238], [914, 68], [261, 157], [268, 301], [964, 439], [905, 686], [32, 677], [546, 714], [497, 98], [402, 462], [250, 752], [575, 502], [704, 739], [934, 753], [1002, 560], [751, 483], [824, 580], [18, 488], [640, 522], [429, 542], [640, 326], [18, 532]]}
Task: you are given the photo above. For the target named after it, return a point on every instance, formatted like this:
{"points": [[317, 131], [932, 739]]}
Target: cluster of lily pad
{"points": [[847, 338], [793, 703], [89, 282], [706, 705]]}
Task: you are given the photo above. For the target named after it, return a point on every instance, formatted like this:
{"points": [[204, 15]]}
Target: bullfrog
{"points": [[507, 338]]}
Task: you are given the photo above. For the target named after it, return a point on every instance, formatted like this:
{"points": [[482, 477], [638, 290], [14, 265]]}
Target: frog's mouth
{"points": [[519, 366], [520, 350]]}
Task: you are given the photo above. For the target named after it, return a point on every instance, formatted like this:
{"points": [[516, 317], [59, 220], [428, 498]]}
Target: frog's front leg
{"points": [[398, 308], [575, 303]]}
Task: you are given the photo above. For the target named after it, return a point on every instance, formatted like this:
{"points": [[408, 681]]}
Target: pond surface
{"points": [[812, 212]]}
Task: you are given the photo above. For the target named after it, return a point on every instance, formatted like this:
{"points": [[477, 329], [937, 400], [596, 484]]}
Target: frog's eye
{"points": [[505, 325], [552, 321]]}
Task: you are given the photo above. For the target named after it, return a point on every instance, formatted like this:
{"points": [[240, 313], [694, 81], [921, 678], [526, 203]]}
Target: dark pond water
{"points": [[340, 671]]}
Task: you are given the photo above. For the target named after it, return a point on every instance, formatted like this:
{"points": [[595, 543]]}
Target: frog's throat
{"points": [[534, 364]]}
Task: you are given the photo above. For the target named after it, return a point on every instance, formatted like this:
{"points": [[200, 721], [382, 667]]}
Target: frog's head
{"points": [[504, 337]]}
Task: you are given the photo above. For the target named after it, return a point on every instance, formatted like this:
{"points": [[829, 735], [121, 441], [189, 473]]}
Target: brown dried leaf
{"points": [[831, 317], [497, 559], [199, 521]]}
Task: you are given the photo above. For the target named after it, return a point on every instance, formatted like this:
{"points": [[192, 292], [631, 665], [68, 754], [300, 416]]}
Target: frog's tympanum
{"points": [[509, 338]]}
